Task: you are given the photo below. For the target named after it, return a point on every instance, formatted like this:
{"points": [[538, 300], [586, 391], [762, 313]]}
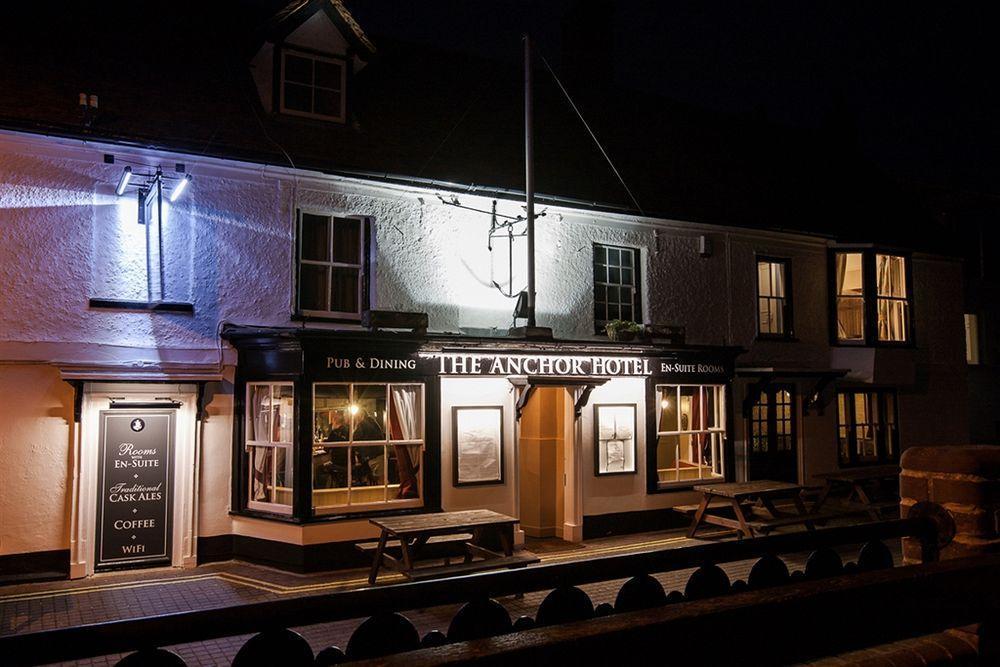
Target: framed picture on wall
{"points": [[614, 439], [477, 444]]}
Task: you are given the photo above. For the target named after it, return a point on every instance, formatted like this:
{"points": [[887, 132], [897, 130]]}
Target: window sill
{"points": [[772, 338], [883, 345], [303, 317], [148, 306], [673, 487], [333, 518]]}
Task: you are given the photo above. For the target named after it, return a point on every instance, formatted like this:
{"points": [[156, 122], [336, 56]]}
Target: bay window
{"points": [[690, 433], [269, 429], [367, 445], [872, 298]]}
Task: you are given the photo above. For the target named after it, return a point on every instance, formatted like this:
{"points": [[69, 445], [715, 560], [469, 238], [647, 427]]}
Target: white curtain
{"points": [[405, 401], [259, 416]]}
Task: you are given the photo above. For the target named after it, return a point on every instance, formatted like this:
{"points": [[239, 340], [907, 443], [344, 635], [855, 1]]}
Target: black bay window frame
{"points": [[870, 284], [788, 309], [285, 361]]}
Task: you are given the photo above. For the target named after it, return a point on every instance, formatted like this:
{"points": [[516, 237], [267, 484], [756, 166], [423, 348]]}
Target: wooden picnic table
{"points": [[747, 500], [854, 480], [411, 533]]}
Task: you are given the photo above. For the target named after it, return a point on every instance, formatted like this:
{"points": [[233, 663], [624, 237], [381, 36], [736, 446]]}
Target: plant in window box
{"points": [[622, 330]]}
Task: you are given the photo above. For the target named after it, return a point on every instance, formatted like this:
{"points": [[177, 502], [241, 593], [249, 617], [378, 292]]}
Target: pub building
{"points": [[335, 426], [245, 320]]}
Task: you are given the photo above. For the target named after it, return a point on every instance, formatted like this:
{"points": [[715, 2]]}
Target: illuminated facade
{"points": [[778, 355]]}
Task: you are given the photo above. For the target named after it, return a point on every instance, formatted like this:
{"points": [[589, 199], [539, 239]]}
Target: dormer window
{"points": [[312, 86]]}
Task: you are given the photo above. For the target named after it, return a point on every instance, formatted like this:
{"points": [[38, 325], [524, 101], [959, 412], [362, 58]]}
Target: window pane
{"points": [[600, 255], [666, 458], [326, 102], [614, 312], [627, 277], [667, 397], [892, 320], [850, 276], [890, 273], [315, 231], [626, 313], [614, 294], [627, 257], [600, 293], [601, 273], [405, 412], [347, 240], [298, 69], [367, 474], [283, 411], [331, 413], [327, 74], [259, 413], [298, 97], [344, 291], [764, 279], [270, 475], [402, 471], [614, 257], [691, 409], [369, 412], [614, 275], [313, 286], [330, 476]]}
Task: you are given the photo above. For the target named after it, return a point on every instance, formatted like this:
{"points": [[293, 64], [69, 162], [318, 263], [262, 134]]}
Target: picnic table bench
{"points": [[473, 532], [753, 506], [858, 498]]}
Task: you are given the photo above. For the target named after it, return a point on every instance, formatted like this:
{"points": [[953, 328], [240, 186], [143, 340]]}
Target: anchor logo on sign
{"points": [[137, 425]]}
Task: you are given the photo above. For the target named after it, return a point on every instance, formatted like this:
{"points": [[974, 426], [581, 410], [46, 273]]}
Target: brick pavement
{"points": [[104, 597]]}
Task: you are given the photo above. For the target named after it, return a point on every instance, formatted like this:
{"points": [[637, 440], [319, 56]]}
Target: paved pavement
{"points": [[31, 607]]}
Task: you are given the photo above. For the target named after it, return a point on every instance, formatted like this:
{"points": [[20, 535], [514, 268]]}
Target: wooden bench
{"points": [[522, 559], [438, 546]]}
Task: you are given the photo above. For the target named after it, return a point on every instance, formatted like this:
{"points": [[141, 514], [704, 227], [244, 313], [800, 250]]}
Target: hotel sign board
{"points": [[518, 364], [135, 473]]}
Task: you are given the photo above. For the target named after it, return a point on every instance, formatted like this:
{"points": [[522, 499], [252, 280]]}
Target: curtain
{"points": [[698, 440], [405, 425], [259, 416]]}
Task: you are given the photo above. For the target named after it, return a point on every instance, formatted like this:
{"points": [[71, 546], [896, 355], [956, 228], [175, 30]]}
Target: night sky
{"points": [[915, 81]]}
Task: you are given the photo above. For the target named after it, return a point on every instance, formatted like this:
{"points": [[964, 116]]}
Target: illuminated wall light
{"points": [[354, 409], [123, 181], [179, 188]]}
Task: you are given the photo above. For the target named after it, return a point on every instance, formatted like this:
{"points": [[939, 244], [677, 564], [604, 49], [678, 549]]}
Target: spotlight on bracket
{"points": [[123, 181], [179, 188]]}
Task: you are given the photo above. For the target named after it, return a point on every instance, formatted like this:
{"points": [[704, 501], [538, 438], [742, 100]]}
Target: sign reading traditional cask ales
{"points": [[134, 483]]}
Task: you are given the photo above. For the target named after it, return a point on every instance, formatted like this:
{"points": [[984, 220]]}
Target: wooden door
{"points": [[772, 452]]}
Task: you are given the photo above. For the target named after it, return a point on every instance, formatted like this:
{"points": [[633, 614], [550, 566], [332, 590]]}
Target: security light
{"points": [[179, 188], [123, 181]]}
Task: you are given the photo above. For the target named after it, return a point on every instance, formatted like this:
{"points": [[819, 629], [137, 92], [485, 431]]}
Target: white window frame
{"points": [[275, 508], [387, 442], [634, 285], [718, 457], [331, 265], [285, 52]]}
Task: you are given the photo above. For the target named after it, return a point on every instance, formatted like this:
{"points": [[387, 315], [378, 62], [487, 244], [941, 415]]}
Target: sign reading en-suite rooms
{"points": [[134, 485]]}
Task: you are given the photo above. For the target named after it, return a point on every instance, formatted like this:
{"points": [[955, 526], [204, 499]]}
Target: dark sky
{"points": [[917, 81]]}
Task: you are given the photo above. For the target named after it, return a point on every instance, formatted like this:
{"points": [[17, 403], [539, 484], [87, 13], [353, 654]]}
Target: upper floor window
{"points": [[312, 86], [333, 266], [872, 297], [971, 338], [774, 298], [616, 285]]}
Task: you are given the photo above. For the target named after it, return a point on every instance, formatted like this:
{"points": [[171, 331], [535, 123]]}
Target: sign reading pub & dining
{"points": [[134, 482]]}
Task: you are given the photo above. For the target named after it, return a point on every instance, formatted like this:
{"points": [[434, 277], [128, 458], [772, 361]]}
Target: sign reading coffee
{"points": [[134, 507]]}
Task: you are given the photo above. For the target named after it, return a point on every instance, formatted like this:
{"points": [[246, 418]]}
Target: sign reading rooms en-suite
{"points": [[134, 506]]}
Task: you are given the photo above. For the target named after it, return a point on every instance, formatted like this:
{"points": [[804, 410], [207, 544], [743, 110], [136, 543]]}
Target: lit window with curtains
{"points": [[333, 269], [774, 299], [867, 432], [690, 433], [269, 428], [616, 285], [893, 304], [850, 292], [368, 442], [873, 298]]}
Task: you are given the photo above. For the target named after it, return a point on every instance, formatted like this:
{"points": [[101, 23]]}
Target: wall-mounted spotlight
{"points": [[123, 181], [179, 188]]}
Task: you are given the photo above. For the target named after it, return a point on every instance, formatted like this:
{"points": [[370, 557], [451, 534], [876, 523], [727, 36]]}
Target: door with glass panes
{"points": [[771, 448]]}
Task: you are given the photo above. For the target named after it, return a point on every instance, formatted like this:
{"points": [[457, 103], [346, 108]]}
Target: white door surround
{"points": [[99, 396]]}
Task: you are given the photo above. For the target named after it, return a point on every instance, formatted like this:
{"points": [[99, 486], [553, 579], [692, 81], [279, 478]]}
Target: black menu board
{"points": [[134, 484]]}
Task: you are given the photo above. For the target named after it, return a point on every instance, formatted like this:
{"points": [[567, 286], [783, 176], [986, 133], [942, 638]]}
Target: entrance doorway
{"points": [[772, 449], [545, 462]]}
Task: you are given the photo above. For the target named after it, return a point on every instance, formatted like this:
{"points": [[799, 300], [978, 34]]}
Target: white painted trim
{"points": [[83, 520]]}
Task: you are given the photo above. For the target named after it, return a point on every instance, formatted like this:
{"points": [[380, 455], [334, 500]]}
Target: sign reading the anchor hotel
{"points": [[448, 363], [134, 506]]}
